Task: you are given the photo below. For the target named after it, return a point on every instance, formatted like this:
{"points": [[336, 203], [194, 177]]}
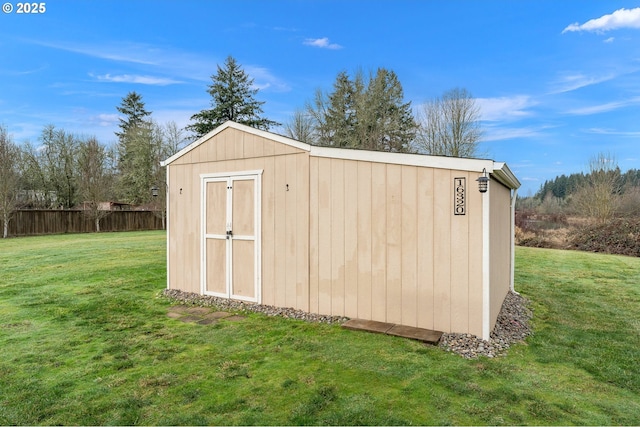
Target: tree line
{"points": [[601, 193], [64, 170]]}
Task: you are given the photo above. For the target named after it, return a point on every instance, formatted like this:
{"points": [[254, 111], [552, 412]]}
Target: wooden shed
{"points": [[398, 238]]}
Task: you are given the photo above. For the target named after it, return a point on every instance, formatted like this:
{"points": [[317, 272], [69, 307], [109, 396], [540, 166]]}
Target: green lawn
{"points": [[85, 340]]}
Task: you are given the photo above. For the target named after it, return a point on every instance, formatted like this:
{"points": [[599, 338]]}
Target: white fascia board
{"points": [[240, 127], [438, 162]]}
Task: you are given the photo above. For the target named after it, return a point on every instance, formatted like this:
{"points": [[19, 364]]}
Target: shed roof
{"points": [[499, 170]]}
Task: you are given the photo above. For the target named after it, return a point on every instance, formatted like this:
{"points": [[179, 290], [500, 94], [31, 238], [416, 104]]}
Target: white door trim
{"points": [[229, 177]]}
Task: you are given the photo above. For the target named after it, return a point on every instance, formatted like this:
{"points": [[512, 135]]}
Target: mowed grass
{"points": [[85, 340]]}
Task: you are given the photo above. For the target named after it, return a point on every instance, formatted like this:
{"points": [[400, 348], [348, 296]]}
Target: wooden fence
{"points": [[34, 222]]}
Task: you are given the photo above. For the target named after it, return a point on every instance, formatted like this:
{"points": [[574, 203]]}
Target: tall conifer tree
{"points": [[233, 98]]}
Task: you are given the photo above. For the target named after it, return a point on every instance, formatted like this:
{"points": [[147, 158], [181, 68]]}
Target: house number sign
{"points": [[459, 196]]}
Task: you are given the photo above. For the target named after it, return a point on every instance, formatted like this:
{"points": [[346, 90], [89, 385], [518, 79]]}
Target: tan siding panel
{"points": [[337, 237], [459, 263], [291, 217], [351, 239], [379, 242], [425, 207], [280, 237], [324, 236], [409, 246], [394, 243], [314, 235], [442, 250], [269, 253], [500, 244], [363, 225], [302, 232]]}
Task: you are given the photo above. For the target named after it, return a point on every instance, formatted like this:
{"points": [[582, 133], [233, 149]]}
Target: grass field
{"points": [[85, 340]]}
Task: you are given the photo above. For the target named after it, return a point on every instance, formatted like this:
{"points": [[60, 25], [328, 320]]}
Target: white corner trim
{"points": [[166, 222], [486, 265], [514, 197]]}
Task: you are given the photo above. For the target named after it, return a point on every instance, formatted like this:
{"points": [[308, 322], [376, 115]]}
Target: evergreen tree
{"points": [[135, 148], [364, 114], [134, 113], [385, 121], [233, 98]]}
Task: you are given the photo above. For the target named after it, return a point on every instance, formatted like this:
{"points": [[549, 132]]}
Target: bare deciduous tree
{"points": [[450, 125], [9, 178], [300, 127], [96, 179], [599, 197]]}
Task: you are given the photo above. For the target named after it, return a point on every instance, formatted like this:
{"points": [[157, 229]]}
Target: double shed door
{"points": [[231, 218]]}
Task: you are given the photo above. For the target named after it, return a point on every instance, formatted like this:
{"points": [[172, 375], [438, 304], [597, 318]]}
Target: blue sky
{"points": [[557, 81]]}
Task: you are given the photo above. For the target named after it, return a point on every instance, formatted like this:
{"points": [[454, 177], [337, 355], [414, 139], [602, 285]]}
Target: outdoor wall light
{"points": [[154, 191], [483, 181]]}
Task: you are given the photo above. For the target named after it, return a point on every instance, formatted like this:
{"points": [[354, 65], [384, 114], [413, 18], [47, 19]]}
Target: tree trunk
{"points": [[97, 224], [6, 225]]}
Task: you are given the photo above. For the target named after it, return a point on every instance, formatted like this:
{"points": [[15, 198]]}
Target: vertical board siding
{"points": [[459, 263], [442, 212], [394, 243], [386, 246], [378, 242], [363, 239], [353, 238], [425, 251], [409, 314], [314, 236], [337, 219], [284, 215], [500, 261], [325, 279]]}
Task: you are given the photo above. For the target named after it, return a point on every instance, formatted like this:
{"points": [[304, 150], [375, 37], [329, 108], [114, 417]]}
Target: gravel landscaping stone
{"points": [[224, 304], [512, 325]]}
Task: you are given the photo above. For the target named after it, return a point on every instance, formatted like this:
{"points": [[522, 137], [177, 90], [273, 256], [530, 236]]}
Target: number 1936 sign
{"points": [[459, 196]]}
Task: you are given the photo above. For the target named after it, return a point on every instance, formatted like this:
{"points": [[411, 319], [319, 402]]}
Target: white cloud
{"points": [[621, 18], [322, 43], [603, 108], [505, 108], [572, 82], [263, 79], [105, 119], [502, 133], [609, 40], [133, 78], [603, 131]]}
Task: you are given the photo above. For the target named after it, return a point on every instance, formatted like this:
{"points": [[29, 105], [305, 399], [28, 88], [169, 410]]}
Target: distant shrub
{"points": [[617, 236]]}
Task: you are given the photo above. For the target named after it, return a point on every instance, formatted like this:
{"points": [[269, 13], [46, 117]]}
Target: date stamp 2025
{"points": [[24, 8]]}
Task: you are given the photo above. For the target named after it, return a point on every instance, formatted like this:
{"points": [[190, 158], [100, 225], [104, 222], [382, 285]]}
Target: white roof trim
{"points": [[499, 170]]}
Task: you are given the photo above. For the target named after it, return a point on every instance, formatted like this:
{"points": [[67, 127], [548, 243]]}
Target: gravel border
{"points": [[222, 304], [512, 325]]}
